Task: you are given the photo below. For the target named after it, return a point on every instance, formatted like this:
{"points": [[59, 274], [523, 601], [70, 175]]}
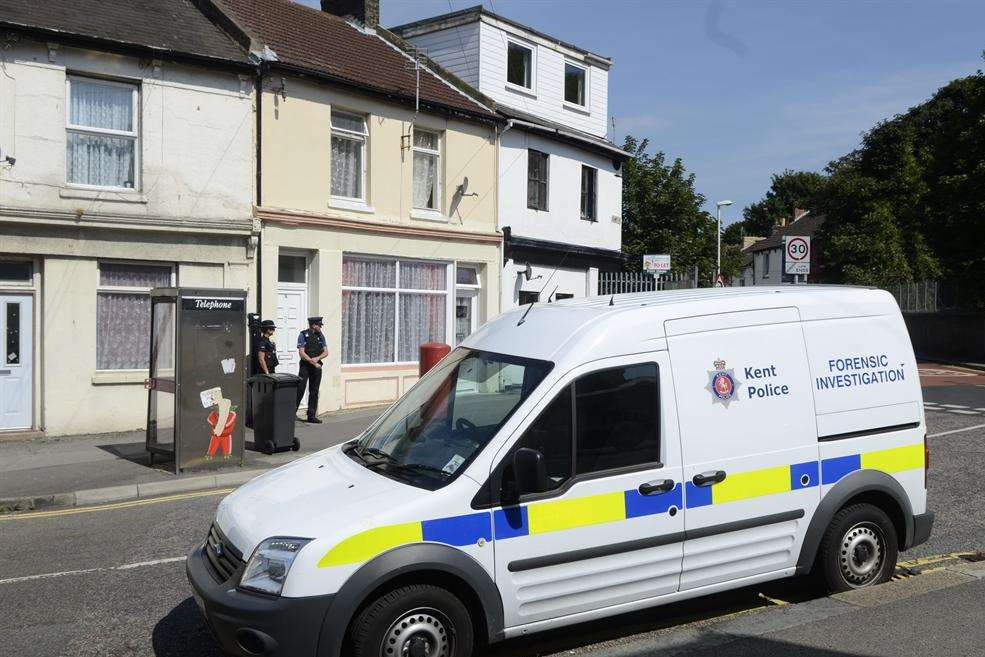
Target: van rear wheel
{"points": [[413, 621], [859, 548]]}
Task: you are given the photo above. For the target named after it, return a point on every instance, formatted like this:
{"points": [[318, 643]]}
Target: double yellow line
{"points": [[115, 505]]}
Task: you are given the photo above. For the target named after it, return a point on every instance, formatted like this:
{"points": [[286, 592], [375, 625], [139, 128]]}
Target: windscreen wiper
{"points": [[378, 453], [422, 467]]}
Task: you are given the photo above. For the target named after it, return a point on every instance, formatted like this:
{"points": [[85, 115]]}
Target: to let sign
{"points": [[796, 254], [656, 263]]}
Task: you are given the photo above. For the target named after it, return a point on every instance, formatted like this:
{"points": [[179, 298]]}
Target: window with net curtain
{"points": [[391, 307], [102, 142], [348, 153], [427, 167], [123, 313]]}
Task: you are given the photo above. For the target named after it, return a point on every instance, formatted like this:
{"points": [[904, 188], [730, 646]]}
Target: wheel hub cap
{"points": [[419, 633], [861, 554]]}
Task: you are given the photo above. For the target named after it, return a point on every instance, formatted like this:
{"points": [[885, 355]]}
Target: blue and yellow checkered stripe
{"points": [[564, 514]]}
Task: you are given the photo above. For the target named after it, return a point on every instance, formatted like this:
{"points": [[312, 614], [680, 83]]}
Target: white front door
{"points": [[16, 364], [292, 315]]}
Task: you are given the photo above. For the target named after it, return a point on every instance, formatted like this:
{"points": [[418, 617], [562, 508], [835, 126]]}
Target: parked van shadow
{"points": [[625, 627], [182, 633]]}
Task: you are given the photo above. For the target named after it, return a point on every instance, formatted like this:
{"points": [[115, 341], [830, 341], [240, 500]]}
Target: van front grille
{"points": [[222, 558]]}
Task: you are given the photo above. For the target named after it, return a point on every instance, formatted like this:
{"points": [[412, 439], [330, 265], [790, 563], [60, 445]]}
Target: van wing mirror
{"points": [[530, 470]]}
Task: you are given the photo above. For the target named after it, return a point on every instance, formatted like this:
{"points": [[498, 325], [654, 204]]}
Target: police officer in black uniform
{"points": [[312, 349], [266, 349]]}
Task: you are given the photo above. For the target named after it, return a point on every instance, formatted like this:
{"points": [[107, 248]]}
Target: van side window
{"points": [[617, 418], [550, 434]]}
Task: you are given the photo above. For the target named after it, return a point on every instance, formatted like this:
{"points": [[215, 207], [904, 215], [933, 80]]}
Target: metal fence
{"points": [[617, 282], [926, 296]]}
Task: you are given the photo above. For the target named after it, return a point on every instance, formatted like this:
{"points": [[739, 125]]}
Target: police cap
{"points": [[267, 324], [314, 320]]}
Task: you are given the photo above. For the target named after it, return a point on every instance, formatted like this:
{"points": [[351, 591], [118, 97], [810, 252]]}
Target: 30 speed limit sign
{"points": [[796, 254]]}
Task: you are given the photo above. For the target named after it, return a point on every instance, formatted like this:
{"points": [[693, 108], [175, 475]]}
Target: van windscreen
{"points": [[445, 420]]}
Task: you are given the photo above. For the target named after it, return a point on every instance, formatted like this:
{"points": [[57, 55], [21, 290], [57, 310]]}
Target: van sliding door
{"points": [[749, 443]]}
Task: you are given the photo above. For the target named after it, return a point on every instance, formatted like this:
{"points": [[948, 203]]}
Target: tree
{"points": [[790, 189], [909, 203], [661, 213]]}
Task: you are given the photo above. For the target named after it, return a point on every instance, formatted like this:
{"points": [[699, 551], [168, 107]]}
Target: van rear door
{"points": [[749, 442]]}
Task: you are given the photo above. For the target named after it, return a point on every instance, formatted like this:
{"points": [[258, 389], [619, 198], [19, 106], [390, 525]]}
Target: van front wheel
{"points": [[413, 621], [859, 548]]}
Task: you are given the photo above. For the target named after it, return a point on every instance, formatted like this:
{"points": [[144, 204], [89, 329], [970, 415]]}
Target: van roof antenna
{"points": [[524, 318], [612, 300], [552, 292]]}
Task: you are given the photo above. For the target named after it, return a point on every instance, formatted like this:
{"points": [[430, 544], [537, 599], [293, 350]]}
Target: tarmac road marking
{"points": [[87, 571], [948, 433], [115, 505]]}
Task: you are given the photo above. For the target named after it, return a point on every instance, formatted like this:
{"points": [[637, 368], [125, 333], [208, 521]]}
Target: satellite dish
{"points": [[464, 187], [528, 271]]}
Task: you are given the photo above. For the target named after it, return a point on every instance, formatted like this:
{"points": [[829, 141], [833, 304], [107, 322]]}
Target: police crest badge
{"points": [[722, 384]]}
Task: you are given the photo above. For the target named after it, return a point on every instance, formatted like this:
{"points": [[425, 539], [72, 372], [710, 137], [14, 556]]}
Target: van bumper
{"points": [[922, 525], [251, 624]]}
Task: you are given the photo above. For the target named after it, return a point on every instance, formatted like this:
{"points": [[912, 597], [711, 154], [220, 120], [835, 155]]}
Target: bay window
{"points": [[348, 155], [427, 170], [391, 307], [123, 312], [103, 148]]}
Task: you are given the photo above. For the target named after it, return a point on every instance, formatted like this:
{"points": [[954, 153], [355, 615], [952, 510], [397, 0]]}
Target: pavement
{"points": [[93, 469]]}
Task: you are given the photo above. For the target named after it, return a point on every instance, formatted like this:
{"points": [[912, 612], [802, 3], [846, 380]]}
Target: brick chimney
{"points": [[798, 213], [366, 12]]}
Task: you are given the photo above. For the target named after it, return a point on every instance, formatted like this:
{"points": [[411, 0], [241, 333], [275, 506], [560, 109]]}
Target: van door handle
{"points": [[657, 487], [709, 478]]}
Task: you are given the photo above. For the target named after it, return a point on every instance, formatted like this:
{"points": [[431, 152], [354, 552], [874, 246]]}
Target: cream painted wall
{"points": [[75, 396], [296, 155], [358, 385], [196, 136]]}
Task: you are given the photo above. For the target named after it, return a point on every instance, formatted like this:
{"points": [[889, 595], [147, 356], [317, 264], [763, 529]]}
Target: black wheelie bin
{"points": [[274, 408]]}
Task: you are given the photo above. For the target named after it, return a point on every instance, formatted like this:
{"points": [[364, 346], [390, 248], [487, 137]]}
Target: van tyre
{"points": [[419, 620], [859, 548]]}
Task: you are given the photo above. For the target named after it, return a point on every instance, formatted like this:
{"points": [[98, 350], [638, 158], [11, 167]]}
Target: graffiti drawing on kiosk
{"points": [[222, 419]]}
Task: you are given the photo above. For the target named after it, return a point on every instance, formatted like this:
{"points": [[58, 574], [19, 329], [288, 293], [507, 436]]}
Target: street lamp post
{"points": [[718, 265]]}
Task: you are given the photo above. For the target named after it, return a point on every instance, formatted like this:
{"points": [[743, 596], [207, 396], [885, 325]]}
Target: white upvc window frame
{"points": [[519, 88], [469, 289], [363, 139], [133, 135], [448, 293], [570, 104], [438, 170], [125, 289]]}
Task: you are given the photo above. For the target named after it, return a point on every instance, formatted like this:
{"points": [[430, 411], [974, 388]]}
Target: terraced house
{"points": [[126, 162], [377, 193]]}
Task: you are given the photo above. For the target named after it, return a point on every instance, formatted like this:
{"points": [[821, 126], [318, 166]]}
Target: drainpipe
{"points": [[502, 244], [258, 93]]}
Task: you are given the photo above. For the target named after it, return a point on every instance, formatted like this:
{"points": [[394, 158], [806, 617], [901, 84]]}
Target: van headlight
{"points": [[271, 561]]}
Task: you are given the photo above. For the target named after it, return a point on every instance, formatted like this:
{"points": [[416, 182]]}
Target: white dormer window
{"points": [[519, 65], [575, 84]]}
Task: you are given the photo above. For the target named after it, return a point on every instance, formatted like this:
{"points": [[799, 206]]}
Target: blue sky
{"points": [[741, 90]]}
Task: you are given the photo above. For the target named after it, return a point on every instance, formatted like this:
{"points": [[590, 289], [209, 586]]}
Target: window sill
{"points": [[523, 91], [591, 220], [575, 107], [115, 195], [114, 377], [428, 215], [354, 205]]}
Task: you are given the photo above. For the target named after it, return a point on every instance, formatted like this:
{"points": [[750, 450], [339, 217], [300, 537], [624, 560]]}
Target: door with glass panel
{"points": [[16, 367], [292, 309]]}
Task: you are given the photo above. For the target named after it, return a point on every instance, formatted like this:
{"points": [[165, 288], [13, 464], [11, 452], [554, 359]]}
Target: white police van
{"points": [[583, 459]]}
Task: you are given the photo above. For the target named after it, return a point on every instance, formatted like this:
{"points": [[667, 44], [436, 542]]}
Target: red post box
{"points": [[431, 353]]}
